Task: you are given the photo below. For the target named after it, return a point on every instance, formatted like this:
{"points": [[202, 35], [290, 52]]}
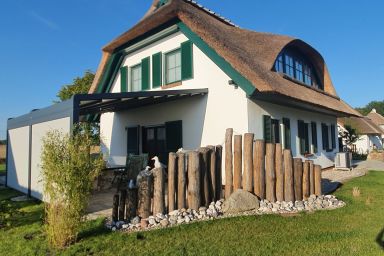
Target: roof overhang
{"points": [[298, 104]]}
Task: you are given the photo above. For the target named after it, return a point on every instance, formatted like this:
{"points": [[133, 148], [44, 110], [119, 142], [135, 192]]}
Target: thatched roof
{"points": [[252, 54], [363, 125], [376, 117]]}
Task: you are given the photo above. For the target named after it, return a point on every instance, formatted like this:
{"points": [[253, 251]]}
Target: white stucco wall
{"points": [[365, 143], [39, 131], [256, 110], [204, 118], [18, 159]]}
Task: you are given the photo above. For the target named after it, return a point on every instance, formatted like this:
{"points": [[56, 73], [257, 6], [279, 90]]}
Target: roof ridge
{"points": [[209, 11]]}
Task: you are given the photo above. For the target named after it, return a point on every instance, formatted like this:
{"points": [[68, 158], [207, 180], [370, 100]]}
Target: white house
{"points": [[370, 134], [378, 120], [178, 79], [274, 86]]}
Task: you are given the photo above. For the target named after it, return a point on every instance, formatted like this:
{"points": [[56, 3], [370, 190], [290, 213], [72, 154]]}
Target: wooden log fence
{"points": [[195, 178]]}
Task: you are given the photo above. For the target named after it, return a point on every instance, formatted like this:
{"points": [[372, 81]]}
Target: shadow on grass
{"points": [[380, 239], [92, 228], [17, 214], [328, 186]]}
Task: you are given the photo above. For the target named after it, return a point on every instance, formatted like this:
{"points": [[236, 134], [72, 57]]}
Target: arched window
{"points": [[296, 67]]}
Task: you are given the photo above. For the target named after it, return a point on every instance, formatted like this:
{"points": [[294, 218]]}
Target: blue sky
{"points": [[45, 44]]}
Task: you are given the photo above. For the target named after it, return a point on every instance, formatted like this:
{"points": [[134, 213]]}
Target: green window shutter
{"points": [[267, 129], [124, 79], [133, 140], [306, 138], [275, 131], [314, 136], [333, 134], [324, 131], [157, 70], [186, 60], [287, 133], [145, 76], [174, 135]]}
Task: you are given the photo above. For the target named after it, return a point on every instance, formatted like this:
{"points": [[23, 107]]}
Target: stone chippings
{"points": [[215, 211]]}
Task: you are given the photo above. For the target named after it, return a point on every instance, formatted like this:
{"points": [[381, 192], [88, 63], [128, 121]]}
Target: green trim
{"points": [[114, 61], [186, 49], [240, 80], [157, 66], [124, 79], [145, 74], [110, 71]]}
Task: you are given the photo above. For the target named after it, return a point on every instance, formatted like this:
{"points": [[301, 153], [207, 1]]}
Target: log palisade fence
{"points": [[267, 170], [195, 178]]}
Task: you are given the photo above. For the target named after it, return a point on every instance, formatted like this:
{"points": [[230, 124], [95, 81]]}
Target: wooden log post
{"points": [[212, 171], [279, 173], [318, 191], [181, 181], [259, 168], [228, 163], [270, 176], [205, 176], [194, 196], [131, 203], [172, 177], [158, 191], [145, 196], [289, 194], [306, 185], [218, 171], [123, 197], [115, 208], [237, 162], [311, 178], [248, 162], [298, 178]]}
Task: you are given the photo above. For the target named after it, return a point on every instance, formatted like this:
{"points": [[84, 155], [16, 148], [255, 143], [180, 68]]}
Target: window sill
{"points": [[171, 85]]}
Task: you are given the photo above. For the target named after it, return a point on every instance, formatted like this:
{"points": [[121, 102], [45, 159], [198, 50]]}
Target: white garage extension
{"points": [[25, 133]]}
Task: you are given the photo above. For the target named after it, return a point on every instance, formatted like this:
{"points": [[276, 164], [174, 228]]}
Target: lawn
{"points": [[2, 168], [353, 230]]}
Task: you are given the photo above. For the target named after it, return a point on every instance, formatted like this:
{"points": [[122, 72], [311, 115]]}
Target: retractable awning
{"points": [[94, 104], [83, 106]]}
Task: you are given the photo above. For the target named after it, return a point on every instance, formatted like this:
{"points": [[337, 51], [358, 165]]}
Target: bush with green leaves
{"points": [[68, 173]]}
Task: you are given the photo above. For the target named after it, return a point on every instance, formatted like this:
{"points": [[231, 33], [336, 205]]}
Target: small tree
{"points": [[79, 85], [68, 172], [349, 135]]}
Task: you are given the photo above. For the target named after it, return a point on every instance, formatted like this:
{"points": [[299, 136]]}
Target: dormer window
{"points": [[297, 67], [161, 3]]}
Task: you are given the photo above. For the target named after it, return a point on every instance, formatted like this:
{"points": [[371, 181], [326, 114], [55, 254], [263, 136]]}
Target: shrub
{"points": [[68, 173]]}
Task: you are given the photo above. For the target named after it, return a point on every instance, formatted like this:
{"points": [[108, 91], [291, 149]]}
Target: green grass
{"points": [[2, 168], [352, 230]]}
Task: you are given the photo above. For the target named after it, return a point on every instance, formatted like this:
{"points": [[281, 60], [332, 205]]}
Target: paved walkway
{"points": [[332, 179]]}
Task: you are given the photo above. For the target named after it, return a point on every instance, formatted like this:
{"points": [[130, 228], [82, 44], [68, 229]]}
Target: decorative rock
{"points": [[135, 220], [113, 228], [144, 223], [164, 223], [125, 226], [152, 221], [187, 219], [176, 212], [240, 201]]}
